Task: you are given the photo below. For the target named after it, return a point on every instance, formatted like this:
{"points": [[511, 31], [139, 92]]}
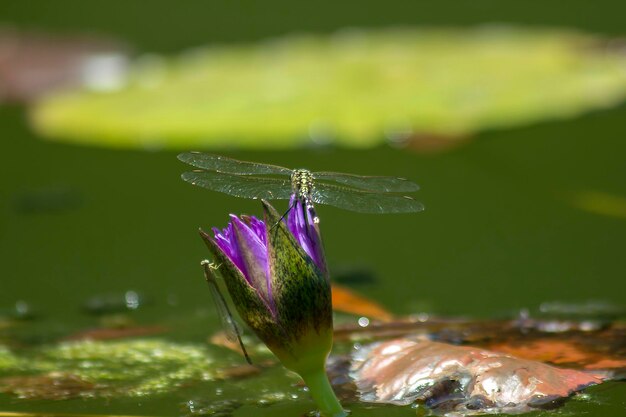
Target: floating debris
{"points": [[589, 310], [461, 379], [114, 303], [565, 353], [33, 64], [21, 310], [577, 345], [117, 333], [51, 386], [239, 371]]}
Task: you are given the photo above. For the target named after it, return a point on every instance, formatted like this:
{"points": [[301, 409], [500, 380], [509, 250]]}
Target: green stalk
{"points": [[323, 394]]}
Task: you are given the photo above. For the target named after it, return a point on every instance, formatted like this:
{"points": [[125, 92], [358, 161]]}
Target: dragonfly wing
{"points": [[377, 184], [228, 165], [229, 326], [364, 201], [241, 186]]}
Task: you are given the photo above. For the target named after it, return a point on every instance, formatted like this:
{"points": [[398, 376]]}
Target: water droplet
{"points": [[132, 300]]}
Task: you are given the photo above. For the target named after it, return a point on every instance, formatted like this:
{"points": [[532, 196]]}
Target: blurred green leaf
{"points": [[7, 359], [601, 203], [354, 88]]}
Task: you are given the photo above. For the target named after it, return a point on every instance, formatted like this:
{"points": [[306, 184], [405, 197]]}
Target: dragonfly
{"points": [[229, 326], [365, 194]]}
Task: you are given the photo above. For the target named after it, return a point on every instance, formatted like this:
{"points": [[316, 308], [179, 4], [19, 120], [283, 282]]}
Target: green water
{"points": [[500, 232]]}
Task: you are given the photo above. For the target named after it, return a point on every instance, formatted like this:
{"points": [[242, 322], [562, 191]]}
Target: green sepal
{"points": [[249, 304], [302, 293]]}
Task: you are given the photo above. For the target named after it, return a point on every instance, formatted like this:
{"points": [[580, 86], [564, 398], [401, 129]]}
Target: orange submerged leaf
{"points": [[561, 352], [345, 300]]}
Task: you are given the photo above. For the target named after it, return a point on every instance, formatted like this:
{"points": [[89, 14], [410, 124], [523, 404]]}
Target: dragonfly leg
{"points": [[283, 216]]}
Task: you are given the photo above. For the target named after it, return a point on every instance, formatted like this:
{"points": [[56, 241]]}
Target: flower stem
{"points": [[323, 394]]}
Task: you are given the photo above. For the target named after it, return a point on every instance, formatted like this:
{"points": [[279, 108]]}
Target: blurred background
{"points": [[510, 117]]}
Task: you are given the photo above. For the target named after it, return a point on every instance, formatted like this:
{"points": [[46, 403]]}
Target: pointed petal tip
{"points": [[270, 212], [266, 205], [217, 253], [207, 238], [237, 223]]}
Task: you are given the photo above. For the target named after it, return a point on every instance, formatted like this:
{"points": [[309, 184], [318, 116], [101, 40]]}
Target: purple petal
{"points": [[259, 229], [225, 241], [301, 223], [253, 253]]}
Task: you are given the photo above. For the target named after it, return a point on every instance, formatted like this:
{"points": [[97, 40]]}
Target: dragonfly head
{"points": [[302, 184]]}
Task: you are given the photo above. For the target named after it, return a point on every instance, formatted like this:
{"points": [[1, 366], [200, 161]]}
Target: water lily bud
{"points": [[276, 276]]}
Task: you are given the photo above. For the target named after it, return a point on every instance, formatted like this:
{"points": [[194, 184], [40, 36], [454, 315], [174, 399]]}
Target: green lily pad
{"points": [[354, 88], [133, 368], [8, 360]]}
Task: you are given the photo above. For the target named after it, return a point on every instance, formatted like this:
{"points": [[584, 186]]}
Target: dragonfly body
{"points": [[367, 194], [302, 184]]}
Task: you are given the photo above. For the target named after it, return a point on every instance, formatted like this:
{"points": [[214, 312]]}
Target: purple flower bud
{"points": [[244, 242], [275, 273]]}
